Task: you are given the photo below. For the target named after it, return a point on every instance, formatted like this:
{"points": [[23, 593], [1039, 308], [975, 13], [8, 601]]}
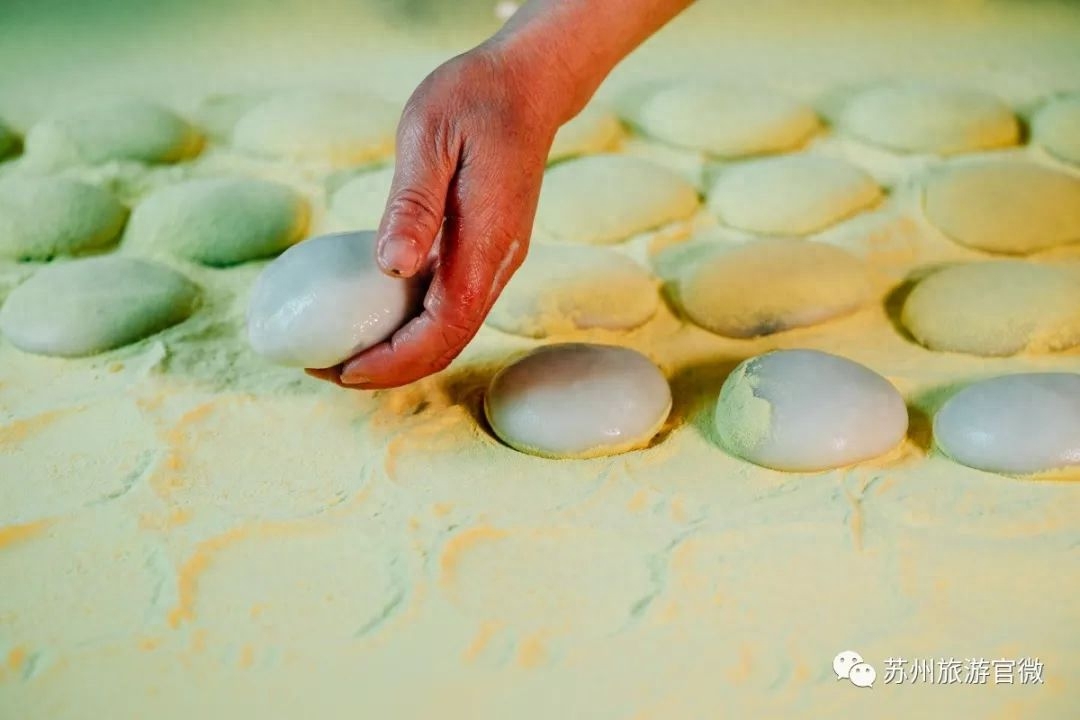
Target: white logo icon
{"points": [[843, 663], [862, 675]]}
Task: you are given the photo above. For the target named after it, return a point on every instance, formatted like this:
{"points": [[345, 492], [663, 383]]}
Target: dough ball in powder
{"points": [[1008, 206], [791, 195], [218, 114], [360, 203], [1017, 424], [325, 299], [770, 285], [805, 410], [725, 121], [339, 129], [9, 141], [84, 307], [561, 288], [219, 221], [594, 130], [129, 129], [41, 218], [1057, 128], [996, 308], [604, 199], [914, 118], [578, 400]]}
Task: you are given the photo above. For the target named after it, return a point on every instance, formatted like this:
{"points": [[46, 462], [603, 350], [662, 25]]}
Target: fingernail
{"points": [[399, 256]]}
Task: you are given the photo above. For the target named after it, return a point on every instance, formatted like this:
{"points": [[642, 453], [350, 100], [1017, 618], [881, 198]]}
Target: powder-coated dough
{"points": [[605, 199], [339, 129], [914, 118], [1012, 207], [593, 131], [791, 195], [770, 285], [119, 130], [996, 308], [560, 288], [85, 307], [41, 218], [361, 202], [725, 121], [1057, 128], [219, 221]]}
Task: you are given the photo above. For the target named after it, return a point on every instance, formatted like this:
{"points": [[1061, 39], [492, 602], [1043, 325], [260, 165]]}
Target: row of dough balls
{"points": [[790, 410], [736, 122], [349, 128], [992, 308]]}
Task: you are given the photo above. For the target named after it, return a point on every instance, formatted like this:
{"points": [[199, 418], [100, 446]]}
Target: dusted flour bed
{"points": [[186, 530]]}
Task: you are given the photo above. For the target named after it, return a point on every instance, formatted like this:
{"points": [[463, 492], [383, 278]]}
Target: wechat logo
{"points": [[849, 665]]}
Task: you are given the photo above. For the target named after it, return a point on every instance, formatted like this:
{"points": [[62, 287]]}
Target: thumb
{"points": [[417, 202]]}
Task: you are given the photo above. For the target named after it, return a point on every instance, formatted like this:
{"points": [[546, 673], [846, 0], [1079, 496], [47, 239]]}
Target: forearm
{"points": [[574, 44]]}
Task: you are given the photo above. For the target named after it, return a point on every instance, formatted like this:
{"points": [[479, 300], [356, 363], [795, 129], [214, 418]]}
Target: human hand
{"points": [[472, 146]]}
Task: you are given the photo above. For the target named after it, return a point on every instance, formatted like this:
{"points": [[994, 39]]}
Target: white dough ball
{"points": [[791, 195], [996, 308], [578, 400], [1011, 206], [1057, 128], [805, 410], [915, 118], [325, 299], [770, 285], [725, 121], [1016, 424], [605, 199], [339, 129], [561, 288]]}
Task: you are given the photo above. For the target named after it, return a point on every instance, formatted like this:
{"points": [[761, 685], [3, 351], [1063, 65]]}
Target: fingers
{"points": [[426, 160], [490, 209]]}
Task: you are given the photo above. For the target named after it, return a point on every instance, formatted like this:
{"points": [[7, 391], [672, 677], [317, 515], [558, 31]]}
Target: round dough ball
{"points": [[361, 202], [997, 308], [930, 119], [725, 121], [1012, 207], [805, 410], [41, 218], [335, 128], [1057, 128], [132, 130], [604, 199], [561, 288], [771, 285], [592, 131], [217, 115], [577, 400], [9, 141], [1016, 424], [325, 299], [791, 195], [220, 221], [89, 306]]}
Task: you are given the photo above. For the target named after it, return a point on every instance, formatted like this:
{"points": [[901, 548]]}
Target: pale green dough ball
{"points": [[9, 141], [1057, 128], [85, 307], [41, 218], [361, 202], [219, 221], [120, 130]]}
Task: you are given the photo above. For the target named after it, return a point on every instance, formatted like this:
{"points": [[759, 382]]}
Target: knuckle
{"points": [[416, 203]]}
